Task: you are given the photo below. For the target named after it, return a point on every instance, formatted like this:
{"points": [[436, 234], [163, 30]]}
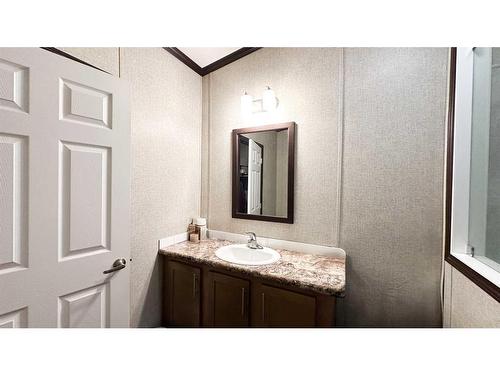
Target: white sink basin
{"points": [[242, 254]]}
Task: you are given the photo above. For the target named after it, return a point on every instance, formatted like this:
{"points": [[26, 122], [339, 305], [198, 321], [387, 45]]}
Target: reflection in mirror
{"points": [[262, 173], [484, 200]]}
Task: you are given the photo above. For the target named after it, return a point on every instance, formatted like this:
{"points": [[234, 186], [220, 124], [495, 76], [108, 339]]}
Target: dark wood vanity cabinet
{"points": [[277, 307], [183, 298], [227, 301], [202, 296]]}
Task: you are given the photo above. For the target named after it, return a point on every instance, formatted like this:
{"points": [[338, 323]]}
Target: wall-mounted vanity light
{"points": [[268, 103]]}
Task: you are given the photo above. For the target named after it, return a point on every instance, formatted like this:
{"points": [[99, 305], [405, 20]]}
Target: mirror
{"points": [[263, 170], [484, 202]]}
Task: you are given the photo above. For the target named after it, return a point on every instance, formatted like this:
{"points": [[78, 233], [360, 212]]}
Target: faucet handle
{"points": [[252, 236], [252, 241]]}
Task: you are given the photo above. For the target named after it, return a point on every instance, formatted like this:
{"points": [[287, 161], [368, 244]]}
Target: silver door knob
{"points": [[117, 265]]}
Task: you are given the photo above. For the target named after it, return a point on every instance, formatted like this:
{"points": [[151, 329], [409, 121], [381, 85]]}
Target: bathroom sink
{"points": [[242, 254]]}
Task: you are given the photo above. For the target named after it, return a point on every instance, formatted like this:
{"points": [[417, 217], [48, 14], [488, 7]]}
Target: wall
{"points": [[166, 177], [466, 305], [166, 115], [308, 83], [107, 59], [391, 223], [205, 155], [369, 166]]}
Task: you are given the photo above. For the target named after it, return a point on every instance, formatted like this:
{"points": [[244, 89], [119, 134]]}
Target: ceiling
{"points": [[204, 56]]}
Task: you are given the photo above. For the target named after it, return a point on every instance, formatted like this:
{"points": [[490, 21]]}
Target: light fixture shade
{"points": [[268, 100], [246, 104]]}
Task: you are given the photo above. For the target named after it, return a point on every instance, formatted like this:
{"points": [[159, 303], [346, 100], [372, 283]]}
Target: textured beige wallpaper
{"points": [[104, 58], [307, 83], [392, 204], [466, 305], [393, 124], [205, 144], [165, 156]]}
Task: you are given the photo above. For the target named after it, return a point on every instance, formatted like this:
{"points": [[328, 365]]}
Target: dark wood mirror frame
{"points": [[290, 127]]}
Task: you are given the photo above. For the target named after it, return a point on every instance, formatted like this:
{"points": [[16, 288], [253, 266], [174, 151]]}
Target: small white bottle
{"points": [[201, 227]]}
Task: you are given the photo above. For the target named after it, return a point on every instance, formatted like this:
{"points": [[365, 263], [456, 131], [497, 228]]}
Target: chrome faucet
{"points": [[252, 241]]}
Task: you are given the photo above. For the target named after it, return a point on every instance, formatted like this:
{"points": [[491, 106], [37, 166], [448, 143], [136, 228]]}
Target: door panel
{"points": [[84, 197], [13, 202], [228, 301], [14, 86], [64, 143], [85, 105], [254, 178], [280, 308], [88, 308], [14, 319], [184, 300]]}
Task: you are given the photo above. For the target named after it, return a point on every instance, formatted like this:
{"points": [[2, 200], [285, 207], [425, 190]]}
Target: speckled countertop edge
{"points": [[317, 273]]}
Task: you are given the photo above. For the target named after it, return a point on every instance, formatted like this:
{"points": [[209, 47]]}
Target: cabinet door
{"points": [[228, 299], [276, 307], [182, 307]]}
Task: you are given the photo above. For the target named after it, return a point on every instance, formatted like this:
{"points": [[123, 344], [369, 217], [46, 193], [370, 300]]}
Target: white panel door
{"points": [[64, 193], [254, 178]]}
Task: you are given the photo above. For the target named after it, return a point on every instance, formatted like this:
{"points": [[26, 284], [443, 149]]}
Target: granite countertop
{"points": [[318, 273]]}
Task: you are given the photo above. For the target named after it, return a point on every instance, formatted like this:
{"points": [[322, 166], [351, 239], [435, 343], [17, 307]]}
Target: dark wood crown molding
{"points": [[238, 54], [177, 53]]}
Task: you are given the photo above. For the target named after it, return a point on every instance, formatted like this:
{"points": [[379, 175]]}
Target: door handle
{"points": [[117, 265]]}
